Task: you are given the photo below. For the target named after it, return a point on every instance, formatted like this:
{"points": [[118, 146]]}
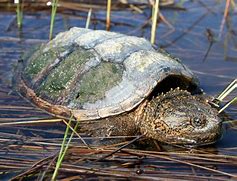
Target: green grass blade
{"points": [[108, 14], [68, 143], [19, 12], [59, 161], [88, 19], [53, 14], [155, 12], [64, 147]]}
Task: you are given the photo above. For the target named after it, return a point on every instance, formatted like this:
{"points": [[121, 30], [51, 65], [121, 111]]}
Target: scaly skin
{"points": [[176, 117]]}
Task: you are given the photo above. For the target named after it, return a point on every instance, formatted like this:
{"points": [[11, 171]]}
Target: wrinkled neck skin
{"points": [[111, 130], [178, 117]]}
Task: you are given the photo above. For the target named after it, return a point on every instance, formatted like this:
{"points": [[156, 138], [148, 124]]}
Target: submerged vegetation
{"points": [[31, 139]]}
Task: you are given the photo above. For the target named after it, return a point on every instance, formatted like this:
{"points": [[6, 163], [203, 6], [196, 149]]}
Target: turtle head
{"points": [[178, 117]]}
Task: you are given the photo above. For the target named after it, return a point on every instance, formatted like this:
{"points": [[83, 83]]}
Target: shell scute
{"points": [[95, 83], [111, 110], [40, 61], [117, 49], [66, 38], [92, 38], [81, 114]]}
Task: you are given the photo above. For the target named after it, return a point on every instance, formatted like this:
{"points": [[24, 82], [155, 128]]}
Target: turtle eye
{"points": [[198, 122]]}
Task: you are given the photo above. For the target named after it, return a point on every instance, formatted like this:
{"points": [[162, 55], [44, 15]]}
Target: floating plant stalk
{"points": [[108, 15], [53, 14], [155, 12], [234, 100], [232, 86]]}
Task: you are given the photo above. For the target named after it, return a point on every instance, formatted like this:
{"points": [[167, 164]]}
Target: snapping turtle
{"points": [[118, 85]]}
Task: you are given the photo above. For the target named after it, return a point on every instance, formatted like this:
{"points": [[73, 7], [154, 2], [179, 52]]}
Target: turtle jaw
{"points": [[196, 139], [190, 139], [199, 136], [208, 135]]}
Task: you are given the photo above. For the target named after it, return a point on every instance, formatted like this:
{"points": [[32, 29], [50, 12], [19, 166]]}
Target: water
{"points": [[184, 36]]}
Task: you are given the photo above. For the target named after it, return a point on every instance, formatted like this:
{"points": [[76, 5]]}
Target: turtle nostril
{"points": [[198, 122]]}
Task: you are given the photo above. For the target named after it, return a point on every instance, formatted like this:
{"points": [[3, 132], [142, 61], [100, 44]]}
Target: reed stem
{"points": [[53, 14], [155, 12], [64, 147], [108, 15], [88, 18], [19, 12]]}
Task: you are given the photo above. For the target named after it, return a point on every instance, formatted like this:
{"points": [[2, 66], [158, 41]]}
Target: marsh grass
{"points": [[19, 12], [88, 18], [228, 90], [64, 147], [155, 13], [187, 164], [108, 15], [53, 14], [232, 101]]}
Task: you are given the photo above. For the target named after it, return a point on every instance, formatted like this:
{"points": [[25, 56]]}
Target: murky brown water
{"points": [[185, 36]]}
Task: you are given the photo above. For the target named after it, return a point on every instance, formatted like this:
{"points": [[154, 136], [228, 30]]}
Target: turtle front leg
{"points": [[110, 130]]}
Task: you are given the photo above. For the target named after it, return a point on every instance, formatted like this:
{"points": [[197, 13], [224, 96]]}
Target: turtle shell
{"points": [[94, 74]]}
